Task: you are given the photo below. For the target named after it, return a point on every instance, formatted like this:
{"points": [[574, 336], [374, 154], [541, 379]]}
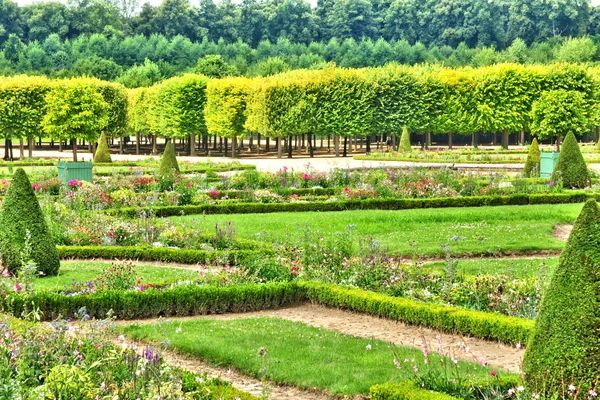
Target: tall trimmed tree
{"points": [[21, 213], [563, 348], [405, 141], [102, 152], [168, 161], [571, 166], [532, 165]]}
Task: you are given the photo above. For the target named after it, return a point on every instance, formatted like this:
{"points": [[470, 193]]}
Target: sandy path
{"points": [[494, 353]]}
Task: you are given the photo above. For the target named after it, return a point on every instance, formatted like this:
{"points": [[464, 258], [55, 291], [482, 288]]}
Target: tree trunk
{"points": [[192, 145], [137, 143], [505, 140], [336, 145], [450, 141], [154, 145], [558, 144], [311, 150], [268, 145], [345, 146], [279, 147], [225, 141], [368, 145], [60, 145], [21, 149], [74, 145], [428, 136], [30, 144], [290, 146], [233, 146], [522, 138], [474, 136]]}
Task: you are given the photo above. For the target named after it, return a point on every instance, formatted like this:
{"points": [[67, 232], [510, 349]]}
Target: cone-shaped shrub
{"points": [[102, 153], [532, 165], [21, 212], [571, 167], [405, 141], [564, 347], [168, 162]]}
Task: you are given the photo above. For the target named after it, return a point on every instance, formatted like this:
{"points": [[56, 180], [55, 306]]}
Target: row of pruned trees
{"points": [[337, 103]]}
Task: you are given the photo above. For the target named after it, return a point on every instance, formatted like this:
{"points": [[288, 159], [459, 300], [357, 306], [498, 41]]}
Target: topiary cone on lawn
{"points": [[532, 165], [565, 346], [102, 152], [168, 161], [20, 213], [571, 166], [405, 141]]}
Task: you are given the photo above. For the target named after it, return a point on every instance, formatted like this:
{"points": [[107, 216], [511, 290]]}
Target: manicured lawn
{"points": [[477, 229], [513, 267], [299, 354], [78, 271]]}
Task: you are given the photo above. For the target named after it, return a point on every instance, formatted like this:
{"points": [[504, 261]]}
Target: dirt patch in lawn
{"points": [[562, 231]]}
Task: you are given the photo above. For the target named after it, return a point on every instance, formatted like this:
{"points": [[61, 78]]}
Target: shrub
{"points": [[564, 347], [21, 213], [102, 152], [571, 166], [405, 391], [168, 161], [532, 165], [405, 141]]}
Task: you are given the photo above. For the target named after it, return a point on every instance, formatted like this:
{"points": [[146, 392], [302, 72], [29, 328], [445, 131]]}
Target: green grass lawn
{"points": [[81, 271], [299, 354], [513, 267], [484, 229]]}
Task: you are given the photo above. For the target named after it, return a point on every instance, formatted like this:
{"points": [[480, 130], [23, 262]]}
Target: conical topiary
{"points": [[571, 166], [405, 141], [564, 348], [102, 152], [21, 213], [532, 165], [168, 161]]}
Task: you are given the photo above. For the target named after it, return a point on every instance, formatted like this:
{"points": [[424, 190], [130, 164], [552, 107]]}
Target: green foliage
{"points": [[405, 141], [75, 110], [559, 112], [532, 165], [168, 161], [102, 152], [21, 213], [571, 168], [182, 300], [563, 348], [225, 110], [405, 391], [358, 204], [22, 105], [143, 75], [184, 256], [447, 319], [214, 66]]}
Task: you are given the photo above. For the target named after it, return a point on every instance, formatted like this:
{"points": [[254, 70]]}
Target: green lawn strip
{"points": [[477, 230], [299, 354], [82, 271], [513, 267]]}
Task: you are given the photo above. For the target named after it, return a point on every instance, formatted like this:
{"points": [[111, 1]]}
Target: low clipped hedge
{"points": [[367, 204], [184, 300], [163, 254], [405, 391], [480, 324], [192, 300]]}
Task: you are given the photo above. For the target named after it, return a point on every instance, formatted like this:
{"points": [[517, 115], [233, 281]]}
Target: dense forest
{"points": [[139, 45]]}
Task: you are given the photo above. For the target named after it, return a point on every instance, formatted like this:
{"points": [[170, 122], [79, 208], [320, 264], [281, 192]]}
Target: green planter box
{"points": [[547, 163], [69, 170]]}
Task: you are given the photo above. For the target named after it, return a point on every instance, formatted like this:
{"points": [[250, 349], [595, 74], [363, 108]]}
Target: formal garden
{"points": [[188, 278]]}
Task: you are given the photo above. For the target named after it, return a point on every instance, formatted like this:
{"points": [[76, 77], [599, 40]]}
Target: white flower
{"points": [[520, 389], [572, 387], [369, 346]]}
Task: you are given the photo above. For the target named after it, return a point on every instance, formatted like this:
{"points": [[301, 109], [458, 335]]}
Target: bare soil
{"points": [[562, 231]]}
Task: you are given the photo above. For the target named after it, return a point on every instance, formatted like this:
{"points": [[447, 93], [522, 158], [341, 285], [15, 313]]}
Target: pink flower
{"points": [[36, 187], [306, 176], [17, 287], [5, 273], [131, 168], [346, 190], [73, 183], [493, 373]]}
